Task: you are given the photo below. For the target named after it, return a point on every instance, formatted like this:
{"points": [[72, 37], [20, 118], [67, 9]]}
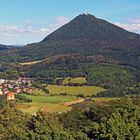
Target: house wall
{"points": [[10, 97], [1, 92]]}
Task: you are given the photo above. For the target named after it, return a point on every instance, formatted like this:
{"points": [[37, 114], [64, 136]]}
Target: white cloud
{"points": [[61, 20], [10, 35], [29, 31], [134, 20], [58, 22], [130, 24]]}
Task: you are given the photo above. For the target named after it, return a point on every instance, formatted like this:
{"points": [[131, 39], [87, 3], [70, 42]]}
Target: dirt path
{"points": [[74, 102]]}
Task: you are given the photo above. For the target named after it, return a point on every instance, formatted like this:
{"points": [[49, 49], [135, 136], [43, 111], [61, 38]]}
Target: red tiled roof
{"points": [[10, 93]]}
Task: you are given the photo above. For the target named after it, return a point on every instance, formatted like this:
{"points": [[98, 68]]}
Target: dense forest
{"points": [[119, 119]]}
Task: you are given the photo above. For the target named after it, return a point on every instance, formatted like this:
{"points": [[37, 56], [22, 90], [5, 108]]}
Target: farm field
{"points": [[79, 80], [54, 103], [75, 90], [32, 108], [47, 103], [50, 99]]}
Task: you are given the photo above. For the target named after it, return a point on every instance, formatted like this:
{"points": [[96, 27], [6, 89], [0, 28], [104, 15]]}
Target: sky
{"points": [[28, 21]]}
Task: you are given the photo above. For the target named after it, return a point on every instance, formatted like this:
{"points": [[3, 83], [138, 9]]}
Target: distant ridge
{"points": [[4, 47]]}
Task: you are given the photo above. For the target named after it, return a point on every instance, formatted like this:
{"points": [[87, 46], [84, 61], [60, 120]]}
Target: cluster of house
{"points": [[9, 88]]}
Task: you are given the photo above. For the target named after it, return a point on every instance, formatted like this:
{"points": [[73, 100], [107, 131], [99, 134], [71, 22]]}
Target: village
{"points": [[9, 88]]}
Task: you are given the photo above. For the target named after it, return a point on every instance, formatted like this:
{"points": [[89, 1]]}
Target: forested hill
{"points": [[86, 35]]}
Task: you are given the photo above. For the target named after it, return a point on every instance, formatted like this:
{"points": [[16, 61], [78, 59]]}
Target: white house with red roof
{"points": [[10, 96]]}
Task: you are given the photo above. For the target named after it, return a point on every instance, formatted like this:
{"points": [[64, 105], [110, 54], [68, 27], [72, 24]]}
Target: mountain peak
{"points": [[87, 26], [85, 16], [88, 15]]}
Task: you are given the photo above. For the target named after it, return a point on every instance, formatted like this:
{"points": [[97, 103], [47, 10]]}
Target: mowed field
{"points": [[50, 99], [57, 104], [75, 90], [47, 103]]}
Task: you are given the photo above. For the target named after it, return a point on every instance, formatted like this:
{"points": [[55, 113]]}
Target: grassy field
{"points": [[74, 90], [47, 103], [32, 108], [79, 80], [54, 103], [50, 99], [30, 63]]}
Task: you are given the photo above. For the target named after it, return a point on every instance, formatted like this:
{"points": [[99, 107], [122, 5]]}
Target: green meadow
{"points": [[50, 99], [46, 103], [75, 90]]}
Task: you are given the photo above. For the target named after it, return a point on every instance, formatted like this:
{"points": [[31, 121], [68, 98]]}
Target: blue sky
{"points": [[27, 21]]}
